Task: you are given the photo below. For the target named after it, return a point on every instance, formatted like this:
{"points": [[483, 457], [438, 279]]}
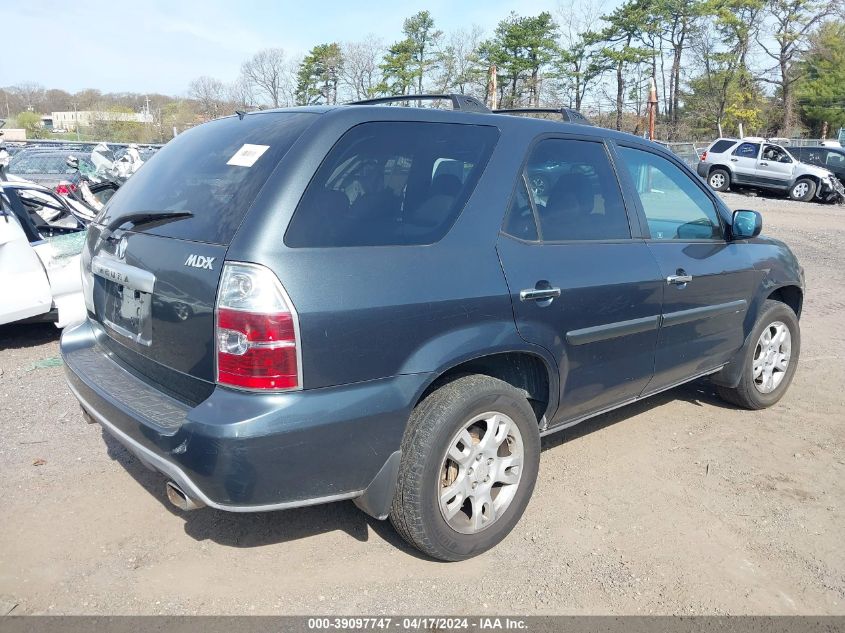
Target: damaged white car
{"points": [[41, 237]]}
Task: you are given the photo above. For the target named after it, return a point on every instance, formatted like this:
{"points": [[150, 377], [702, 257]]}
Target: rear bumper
{"points": [[702, 168], [246, 452]]}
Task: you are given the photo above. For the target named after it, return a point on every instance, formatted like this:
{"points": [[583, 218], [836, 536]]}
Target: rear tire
{"points": [[719, 180], [442, 476], [804, 190], [770, 360]]}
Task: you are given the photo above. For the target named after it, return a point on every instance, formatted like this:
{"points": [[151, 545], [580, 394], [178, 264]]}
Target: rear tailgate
{"points": [[153, 283]]}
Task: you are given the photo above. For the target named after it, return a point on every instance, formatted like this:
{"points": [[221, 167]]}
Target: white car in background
{"points": [[40, 243], [757, 163]]}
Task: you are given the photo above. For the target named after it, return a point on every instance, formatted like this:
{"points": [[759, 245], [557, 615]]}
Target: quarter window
{"points": [[721, 146], [575, 192], [675, 207], [391, 183]]}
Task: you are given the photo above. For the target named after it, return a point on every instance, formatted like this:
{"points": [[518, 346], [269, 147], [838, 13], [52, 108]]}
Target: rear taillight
{"points": [[65, 188], [256, 334], [704, 156]]}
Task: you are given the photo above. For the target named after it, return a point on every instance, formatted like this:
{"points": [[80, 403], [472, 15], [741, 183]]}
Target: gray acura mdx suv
{"points": [[373, 303]]}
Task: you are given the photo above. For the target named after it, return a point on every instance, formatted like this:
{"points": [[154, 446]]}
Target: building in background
{"points": [[71, 120]]}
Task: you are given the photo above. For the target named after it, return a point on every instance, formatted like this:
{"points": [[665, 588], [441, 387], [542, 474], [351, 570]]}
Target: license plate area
{"points": [[128, 312], [125, 304]]}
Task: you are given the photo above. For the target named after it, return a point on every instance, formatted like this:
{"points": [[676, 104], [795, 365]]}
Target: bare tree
{"points": [[361, 74], [789, 23], [240, 93], [267, 71], [29, 95], [289, 78], [579, 68], [210, 93], [461, 68]]}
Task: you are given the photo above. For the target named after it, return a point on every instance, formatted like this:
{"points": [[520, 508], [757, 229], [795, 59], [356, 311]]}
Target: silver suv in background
{"points": [[759, 164]]}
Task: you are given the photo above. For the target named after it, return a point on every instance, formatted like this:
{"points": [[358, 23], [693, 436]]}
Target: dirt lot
{"points": [[680, 504]]}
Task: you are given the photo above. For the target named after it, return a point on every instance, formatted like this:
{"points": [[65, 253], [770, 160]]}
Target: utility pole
{"points": [[75, 118], [147, 118], [652, 107]]}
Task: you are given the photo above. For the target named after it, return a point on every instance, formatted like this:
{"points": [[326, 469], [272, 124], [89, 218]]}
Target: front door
{"points": [[775, 167], [582, 284], [707, 281]]}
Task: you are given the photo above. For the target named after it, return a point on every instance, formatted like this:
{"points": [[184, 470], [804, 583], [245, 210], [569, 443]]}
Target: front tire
{"points": [[770, 360], [804, 190], [470, 457], [719, 180]]}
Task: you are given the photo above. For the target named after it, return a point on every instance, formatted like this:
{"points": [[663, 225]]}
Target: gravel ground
{"points": [[677, 505]]}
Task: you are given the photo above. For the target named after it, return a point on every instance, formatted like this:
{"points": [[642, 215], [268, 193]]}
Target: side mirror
{"points": [[746, 224], [72, 162]]}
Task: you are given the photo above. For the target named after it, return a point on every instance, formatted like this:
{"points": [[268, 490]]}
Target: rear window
{"points": [[214, 170], [392, 183], [721, 146]]}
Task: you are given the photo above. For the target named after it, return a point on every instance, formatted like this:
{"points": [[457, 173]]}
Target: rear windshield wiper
{"points": [[145, 217]]}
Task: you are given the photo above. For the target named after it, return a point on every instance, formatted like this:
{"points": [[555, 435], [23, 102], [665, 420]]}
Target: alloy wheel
{"points": [[771, 357], [480, 473]]}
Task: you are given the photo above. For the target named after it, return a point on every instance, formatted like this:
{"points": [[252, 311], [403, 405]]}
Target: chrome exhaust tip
{"points": [[180, 498]]}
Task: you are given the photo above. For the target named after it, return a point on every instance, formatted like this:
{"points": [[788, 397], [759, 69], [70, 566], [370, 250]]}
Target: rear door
{"points": [[153, 282], [582, 282], [834, 160], [706, 281], [744, 162]]}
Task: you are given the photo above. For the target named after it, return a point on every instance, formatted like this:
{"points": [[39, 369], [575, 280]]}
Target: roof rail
{"points": [[459, 101], [570, 115]]}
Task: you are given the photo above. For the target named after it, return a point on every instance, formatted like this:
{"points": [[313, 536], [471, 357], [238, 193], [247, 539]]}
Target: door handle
{"points": [[679, 280], [733, 160], [538, 294], [764, 164]]}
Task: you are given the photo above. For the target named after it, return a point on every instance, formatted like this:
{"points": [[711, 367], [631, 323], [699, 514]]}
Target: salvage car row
{"points": [[802, 173], [47, 199]]}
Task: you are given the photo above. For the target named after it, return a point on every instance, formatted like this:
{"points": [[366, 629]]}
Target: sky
{"points": [[160, 46]]}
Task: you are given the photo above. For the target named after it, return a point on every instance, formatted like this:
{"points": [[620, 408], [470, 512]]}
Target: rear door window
{"points": [[520, 221], [834, 160], [214, 170], [747, 150], [392, 183], [575, 192]]}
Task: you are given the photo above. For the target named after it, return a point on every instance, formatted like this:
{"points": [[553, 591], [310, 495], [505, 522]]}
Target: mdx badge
{"points": [[199, 261]]}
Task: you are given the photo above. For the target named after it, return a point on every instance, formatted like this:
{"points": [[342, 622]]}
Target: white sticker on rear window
{"points": [[247, 155]]}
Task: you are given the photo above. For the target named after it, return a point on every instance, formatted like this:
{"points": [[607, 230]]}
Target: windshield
{"points": [[214, 170]]}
